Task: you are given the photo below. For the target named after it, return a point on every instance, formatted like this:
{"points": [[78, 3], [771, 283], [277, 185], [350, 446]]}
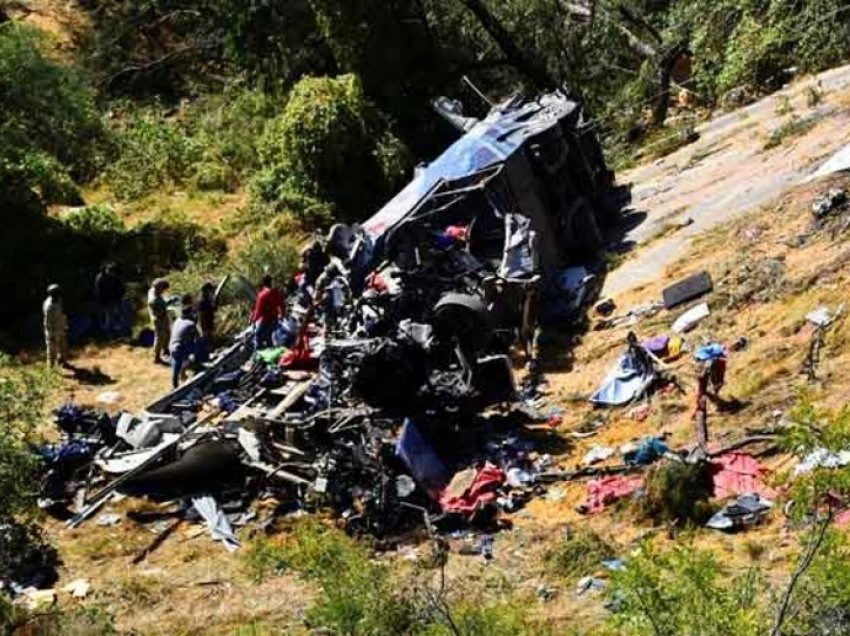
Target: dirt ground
{"points": [[191, 585]]}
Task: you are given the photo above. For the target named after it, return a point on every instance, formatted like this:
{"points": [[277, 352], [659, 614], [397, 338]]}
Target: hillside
{"points": [[182, 580], [191, 147]]}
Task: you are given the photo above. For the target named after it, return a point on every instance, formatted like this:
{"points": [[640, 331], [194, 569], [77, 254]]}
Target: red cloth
{"points": [[299, 355], [607, 490], [457, 232], [483, 490], [842, 519], [376, 281], [739, 474], [269, 305]]}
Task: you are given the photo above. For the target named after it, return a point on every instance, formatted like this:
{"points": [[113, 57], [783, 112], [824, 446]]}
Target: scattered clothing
{"points": [[614, 565], [824, 205], [822, 458], [668, 348], [626, 382], [597, 454], [657, 345], [216, 521], [648, 451], [519, 478], [270, 356], [467, 493], [739, 473], [708, 352], [608, 490], [820, 317], [589, 583]]}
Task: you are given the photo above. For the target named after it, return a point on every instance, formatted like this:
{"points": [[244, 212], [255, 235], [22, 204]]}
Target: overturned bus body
{"points": [[380, 385], [540, 158]]}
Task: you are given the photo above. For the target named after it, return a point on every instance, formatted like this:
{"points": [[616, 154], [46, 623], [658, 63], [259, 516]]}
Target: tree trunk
{"points": [[661, 101], [528, 66]]}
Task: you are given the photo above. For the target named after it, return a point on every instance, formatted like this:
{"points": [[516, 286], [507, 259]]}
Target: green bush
{"points": [[359, 595], [85, 620], [228, 127], [23, 400], [51, 138], [676, 490], [94, 220], [264, 558], [481, 618], [578, 553], [154, 151], [330, 144], [46, 108], [269, 252], [270, 203], [210, 145], [685, 591]]}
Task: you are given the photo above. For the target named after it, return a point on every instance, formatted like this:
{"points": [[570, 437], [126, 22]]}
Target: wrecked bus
{"points": [[552, 171]]}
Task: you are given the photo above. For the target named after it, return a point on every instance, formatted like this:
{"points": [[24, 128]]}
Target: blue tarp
{"points": [[626, 382]]}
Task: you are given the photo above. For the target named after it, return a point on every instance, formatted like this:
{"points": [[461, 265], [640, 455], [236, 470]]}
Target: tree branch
{"points": [[528, 66], [640, 23], [803, 565]]}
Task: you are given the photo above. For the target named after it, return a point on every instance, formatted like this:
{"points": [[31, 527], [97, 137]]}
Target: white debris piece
{"points": [[691, 318]]}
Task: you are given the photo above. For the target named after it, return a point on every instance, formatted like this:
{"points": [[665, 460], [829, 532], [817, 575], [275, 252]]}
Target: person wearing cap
{"points": [[55, 327], [160, 321], [268, 310], [206, 320], [184, 340]]}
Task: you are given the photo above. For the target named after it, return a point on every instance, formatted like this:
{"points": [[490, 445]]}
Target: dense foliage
{"points": [[330, 144]]}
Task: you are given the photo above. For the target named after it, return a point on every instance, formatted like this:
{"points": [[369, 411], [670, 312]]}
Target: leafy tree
{"points": [[51, 137], [23, 396], [46, 108], [330, 144], [684, 591]]}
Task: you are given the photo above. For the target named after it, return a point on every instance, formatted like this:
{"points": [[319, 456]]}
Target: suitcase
{"points": [[687, 289]]}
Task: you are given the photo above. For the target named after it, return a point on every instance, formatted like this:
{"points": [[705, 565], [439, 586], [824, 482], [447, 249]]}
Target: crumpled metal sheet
{"points": [[217, 522]]}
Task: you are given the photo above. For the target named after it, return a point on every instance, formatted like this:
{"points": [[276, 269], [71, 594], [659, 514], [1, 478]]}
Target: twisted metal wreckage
{"points": [[395, 396]]}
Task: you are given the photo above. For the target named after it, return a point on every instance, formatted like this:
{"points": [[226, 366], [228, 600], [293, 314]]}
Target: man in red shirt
{"points": [[268, 310]]}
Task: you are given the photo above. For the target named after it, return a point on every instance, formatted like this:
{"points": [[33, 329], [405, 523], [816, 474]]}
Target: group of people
{"points": [[191, 335]]}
